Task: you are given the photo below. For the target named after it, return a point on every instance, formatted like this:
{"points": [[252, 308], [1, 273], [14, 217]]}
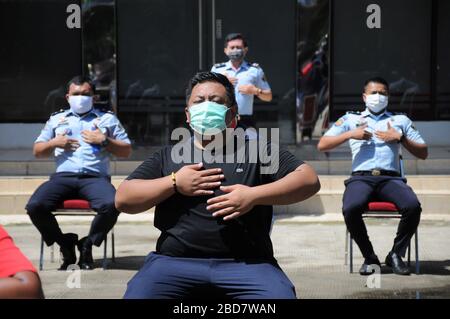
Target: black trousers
{"points": [[97, 190], [360, 190], [246, 121]]}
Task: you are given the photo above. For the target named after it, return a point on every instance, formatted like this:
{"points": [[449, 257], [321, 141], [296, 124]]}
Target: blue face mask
{"points": [[208, 118]]}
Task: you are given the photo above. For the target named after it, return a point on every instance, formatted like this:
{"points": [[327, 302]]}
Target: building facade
{"points": [[316, 55]]}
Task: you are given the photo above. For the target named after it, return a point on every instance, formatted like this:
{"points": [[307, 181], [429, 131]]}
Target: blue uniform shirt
{"points": [[375, 153], [246, 74], [87, 159]]}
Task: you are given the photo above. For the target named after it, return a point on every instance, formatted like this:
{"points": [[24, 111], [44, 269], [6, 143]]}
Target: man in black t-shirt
{"points": [[214, 214]]}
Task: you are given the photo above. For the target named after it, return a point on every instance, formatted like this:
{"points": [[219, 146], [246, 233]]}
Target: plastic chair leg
{"points": [[409, 254], [346, 248], [351, 252], [113, 248], [416, 236], [105, 251], [52, 254], [41, 255]]}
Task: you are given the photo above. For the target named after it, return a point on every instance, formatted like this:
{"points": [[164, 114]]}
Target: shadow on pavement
{"points": [[123, 263], [434, 267]]}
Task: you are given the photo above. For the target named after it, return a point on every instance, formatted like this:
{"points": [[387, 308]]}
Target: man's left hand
{"points": [[236, 201], [389, 136], [248, 89], [93, 137]]}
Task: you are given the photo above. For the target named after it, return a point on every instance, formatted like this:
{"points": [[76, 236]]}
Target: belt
{"points": [[376, 172]]}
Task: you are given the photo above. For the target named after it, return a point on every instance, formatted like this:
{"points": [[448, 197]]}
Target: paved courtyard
{"points": [[311, 253]]}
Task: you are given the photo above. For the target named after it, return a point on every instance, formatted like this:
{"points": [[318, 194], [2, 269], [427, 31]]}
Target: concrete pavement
{"points": [[311, 253]]}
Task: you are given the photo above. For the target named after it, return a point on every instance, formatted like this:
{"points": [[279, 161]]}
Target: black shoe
{"points": [[67, 249], [398, 266], [367, 267], [86, 261]]}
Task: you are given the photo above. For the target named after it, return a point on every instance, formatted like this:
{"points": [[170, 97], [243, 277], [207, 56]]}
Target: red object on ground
{"points": [[75, 204], [382, 206], [12, 260]]}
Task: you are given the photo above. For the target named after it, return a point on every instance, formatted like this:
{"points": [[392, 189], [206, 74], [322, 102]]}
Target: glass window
{"points": [[443, 60], [162, 44], [313, 68], [157, 55], [399, 51], [38, 55]]}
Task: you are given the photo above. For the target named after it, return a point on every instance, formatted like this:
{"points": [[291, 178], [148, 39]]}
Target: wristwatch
{"points": [[259, 91]]}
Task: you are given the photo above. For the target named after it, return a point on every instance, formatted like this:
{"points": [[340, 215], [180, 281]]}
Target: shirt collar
{"points": [[367, 113], [244, 65], [92, 111]]}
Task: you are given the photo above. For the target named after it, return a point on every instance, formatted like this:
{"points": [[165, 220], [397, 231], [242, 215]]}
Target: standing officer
{"points": [[375, 136], [248, 78], [81, 138]]}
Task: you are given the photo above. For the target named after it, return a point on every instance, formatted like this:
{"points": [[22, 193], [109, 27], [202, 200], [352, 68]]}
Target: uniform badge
{"points": [[339, 122], [361, 122]]}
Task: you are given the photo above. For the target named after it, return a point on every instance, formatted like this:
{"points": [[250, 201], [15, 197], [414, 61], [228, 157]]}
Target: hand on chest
{"points": [[245, 77], [73, 127], [380, 125], [374, 126]]}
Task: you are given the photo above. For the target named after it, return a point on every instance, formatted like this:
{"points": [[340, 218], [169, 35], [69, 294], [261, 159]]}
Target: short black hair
{"points": [[202, 77], [79, 80], [235, 36], [376, 79]]}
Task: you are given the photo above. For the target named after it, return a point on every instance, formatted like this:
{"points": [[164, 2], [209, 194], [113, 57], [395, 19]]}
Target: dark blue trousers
{"points": [[164, 277], [96, 189], [362, 189]]}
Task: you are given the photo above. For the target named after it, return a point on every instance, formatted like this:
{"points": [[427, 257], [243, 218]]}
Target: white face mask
{"points": [[80, 103], [376, 102]]}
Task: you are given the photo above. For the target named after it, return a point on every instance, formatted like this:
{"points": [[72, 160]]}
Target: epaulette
{"points": [[219, 65], [106, 111], [354, 112], [57, 112], [255, 65], [397, 113]]}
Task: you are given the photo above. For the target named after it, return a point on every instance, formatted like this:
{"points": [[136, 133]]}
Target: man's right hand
{"points": [[232, 79], [360, 133], [191, 181], [62, 141]]}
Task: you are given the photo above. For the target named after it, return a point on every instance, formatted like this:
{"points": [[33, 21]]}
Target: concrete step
{"points": [[411, 166], [432, 190]]}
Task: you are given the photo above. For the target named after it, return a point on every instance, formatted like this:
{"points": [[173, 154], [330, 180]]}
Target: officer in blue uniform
{"points": [[375, 136], [248, 78], [82, 139]]}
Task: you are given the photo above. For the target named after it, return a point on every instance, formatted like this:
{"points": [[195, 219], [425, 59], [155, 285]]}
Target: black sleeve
{"points": [[151, 168], [287, 163]]}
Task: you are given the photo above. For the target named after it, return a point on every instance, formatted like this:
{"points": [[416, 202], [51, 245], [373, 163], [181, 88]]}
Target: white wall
{"points": [[435, 133], [19, 135]]}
